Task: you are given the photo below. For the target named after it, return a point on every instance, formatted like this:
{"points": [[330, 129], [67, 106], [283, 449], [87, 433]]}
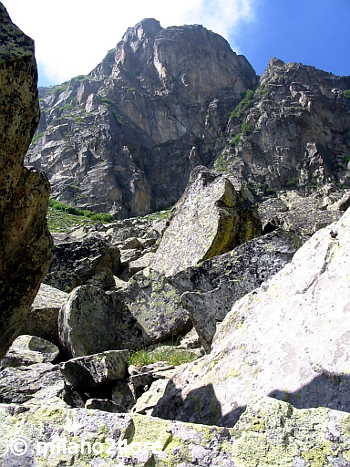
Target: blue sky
{"points": [[313, 32], [72, 36]]}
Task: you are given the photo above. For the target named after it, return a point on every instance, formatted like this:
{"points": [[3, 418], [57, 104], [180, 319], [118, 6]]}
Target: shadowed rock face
{"points": [[25, 244], [131, 131]]}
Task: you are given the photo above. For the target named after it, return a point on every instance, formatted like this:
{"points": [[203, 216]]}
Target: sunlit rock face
{"points": [[25, 244], [125, 137]]}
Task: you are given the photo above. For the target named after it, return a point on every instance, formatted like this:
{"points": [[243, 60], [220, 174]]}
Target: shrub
{"points": [[346, 94]]}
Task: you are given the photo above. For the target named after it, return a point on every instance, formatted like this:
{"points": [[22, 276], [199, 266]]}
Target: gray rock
{"points": [[149, 399], [92, 260], [137, 111], [133, 317], [141, 263], [270, 433], [300, 216], [25, 243], [94, 370], [103, 404], [35, 385], [27, 350], [88, 323], [42, 320], [287, 339], [123, 395], [211, 288], [293, 133], [156, 306], [210, 219]]}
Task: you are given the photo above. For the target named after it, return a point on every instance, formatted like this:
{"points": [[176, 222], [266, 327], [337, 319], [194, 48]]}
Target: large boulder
{"points": [[91, 260], [92, 322], [43, 316], [211, 218], [95, 370], [147, 310], [270, 433], [25, 243], [287, 339], [211, 288]]}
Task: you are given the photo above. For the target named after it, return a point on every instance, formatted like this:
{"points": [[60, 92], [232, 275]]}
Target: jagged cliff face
{"points": [[292, 132], [125, 137]]}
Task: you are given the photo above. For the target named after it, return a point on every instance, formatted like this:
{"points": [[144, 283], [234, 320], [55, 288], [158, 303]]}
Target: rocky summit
{"points": [[125, 137], [205, 320]]}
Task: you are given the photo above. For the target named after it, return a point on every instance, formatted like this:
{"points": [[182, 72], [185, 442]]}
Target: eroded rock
{"points": [[43, 316]]}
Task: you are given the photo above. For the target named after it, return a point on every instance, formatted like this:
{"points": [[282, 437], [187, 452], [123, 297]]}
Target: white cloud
{"points": [[72, 36]]}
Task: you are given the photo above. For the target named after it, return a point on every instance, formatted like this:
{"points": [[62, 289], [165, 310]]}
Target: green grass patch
{"points": [[159, 216], [36, 137], [346, 94], [245, 104], [173, 357], [60, 221], [80, 213]]}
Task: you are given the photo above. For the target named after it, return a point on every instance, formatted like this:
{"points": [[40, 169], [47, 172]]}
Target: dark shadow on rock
{"points": [[329, 390], [201, 405]]}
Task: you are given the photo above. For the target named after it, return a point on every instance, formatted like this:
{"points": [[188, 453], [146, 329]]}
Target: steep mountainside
{"points": [[291, 132], [125, 137]]}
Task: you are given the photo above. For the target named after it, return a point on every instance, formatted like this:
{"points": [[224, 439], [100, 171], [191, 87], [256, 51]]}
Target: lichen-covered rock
{"points": [[156, 305], [144, 311], [25, 244], [287, 339], [27, 350], [269, 433], [92, 260], [211, 218], [94, 370], [93, 322], [43, 316], [211, 288]]}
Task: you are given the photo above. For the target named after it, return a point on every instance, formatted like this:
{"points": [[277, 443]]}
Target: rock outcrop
{"points": [[25, 244], [211, 218], [287, 339], [132, 129], [291, 132], [145, 311]]}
